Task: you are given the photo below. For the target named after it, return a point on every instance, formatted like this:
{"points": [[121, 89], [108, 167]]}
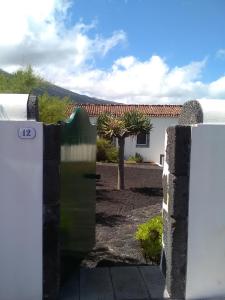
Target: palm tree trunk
{"points": [[120, 183]]}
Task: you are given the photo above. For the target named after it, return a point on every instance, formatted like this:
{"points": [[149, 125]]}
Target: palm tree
{"points": [[129, 124]]}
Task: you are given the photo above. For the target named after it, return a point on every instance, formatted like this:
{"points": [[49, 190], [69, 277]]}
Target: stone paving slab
{"points": [[115, 283], [96, 284], [71, 290], [154, 281], [128, 283]]}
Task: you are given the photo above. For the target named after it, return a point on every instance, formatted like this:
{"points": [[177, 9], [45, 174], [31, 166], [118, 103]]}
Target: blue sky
{"points": [[131, 51], [178, 30]]}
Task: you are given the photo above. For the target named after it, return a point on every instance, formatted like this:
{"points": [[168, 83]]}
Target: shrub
{"points": [[149, 235], [131, 159], [112, 154], [53, 109], [101, 149], [137, 158], [106, 151]]}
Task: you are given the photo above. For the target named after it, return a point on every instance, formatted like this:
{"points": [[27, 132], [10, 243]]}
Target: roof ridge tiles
{"points": [[124, 105], [152, 110]]}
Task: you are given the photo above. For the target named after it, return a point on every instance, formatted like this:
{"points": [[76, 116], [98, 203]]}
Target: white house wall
{"points": [[156, 142]]}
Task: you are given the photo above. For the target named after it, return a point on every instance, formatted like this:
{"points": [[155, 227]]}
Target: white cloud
{"points": [[104, 45], [220, 54], [217, 88], [35, 32], [152, 81], [18, 17]]}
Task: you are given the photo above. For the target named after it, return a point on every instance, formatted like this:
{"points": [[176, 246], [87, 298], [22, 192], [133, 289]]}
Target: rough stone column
{"points": [[51, 213], [175, 209], [191, 113], [32, 108]]}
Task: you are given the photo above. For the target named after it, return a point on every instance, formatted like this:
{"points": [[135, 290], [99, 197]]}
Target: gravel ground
{"points": [[118, 213]]}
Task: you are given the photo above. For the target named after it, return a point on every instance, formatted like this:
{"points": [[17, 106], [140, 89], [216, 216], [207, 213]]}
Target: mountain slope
{"points": [[54, 90], [2, 72]]}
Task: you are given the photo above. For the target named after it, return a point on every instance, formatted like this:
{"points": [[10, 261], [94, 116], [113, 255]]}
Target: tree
{"points": [[52, 109], [25, 81], [22, 81], [130, 124]]}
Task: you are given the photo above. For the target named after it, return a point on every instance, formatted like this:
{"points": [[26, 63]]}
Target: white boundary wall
{"points": [[213, 110], [21, 176], [13, 106], [206, 229]]}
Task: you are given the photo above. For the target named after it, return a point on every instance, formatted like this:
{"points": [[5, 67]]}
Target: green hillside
{"points": [[53, 100], [26, 81]]}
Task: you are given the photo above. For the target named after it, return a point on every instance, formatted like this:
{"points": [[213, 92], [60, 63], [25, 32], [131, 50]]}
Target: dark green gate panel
{"points": [[78, 168]]}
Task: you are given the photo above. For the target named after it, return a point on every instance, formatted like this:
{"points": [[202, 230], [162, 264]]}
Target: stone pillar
{"points": [[32, 108], [193, 205], [175, 209]]}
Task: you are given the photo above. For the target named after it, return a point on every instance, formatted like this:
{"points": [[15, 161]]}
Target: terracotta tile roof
{"points": [[94, 110]]}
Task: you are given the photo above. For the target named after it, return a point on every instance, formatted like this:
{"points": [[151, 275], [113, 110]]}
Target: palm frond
{"points": [[131, 123]]}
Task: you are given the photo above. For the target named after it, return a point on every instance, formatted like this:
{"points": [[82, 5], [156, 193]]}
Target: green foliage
{"points": [[4, 84], [52, 109], [136, 122], [110, 126], [137, 158], [106, 151], [131, 123], [22, 81], [149, 235]]}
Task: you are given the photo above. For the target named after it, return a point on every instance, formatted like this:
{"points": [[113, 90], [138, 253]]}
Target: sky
{"points": [[127, 51]]}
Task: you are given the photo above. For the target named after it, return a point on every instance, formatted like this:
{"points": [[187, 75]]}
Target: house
{"points": [[150, 146]]}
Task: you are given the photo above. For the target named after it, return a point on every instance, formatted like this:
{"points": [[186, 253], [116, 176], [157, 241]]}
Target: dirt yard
{"points": [[119, 212]]}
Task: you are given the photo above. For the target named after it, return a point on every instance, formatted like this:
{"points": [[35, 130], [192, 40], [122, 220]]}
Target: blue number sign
{"points": [[27, 133]]}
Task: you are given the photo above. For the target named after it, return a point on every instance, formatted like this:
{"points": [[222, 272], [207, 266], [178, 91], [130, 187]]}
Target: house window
{"points": [[161, 160], [142, 140]]}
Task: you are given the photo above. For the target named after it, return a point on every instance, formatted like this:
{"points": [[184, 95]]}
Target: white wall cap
{"points": [[213, 110], [13, 107]]}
